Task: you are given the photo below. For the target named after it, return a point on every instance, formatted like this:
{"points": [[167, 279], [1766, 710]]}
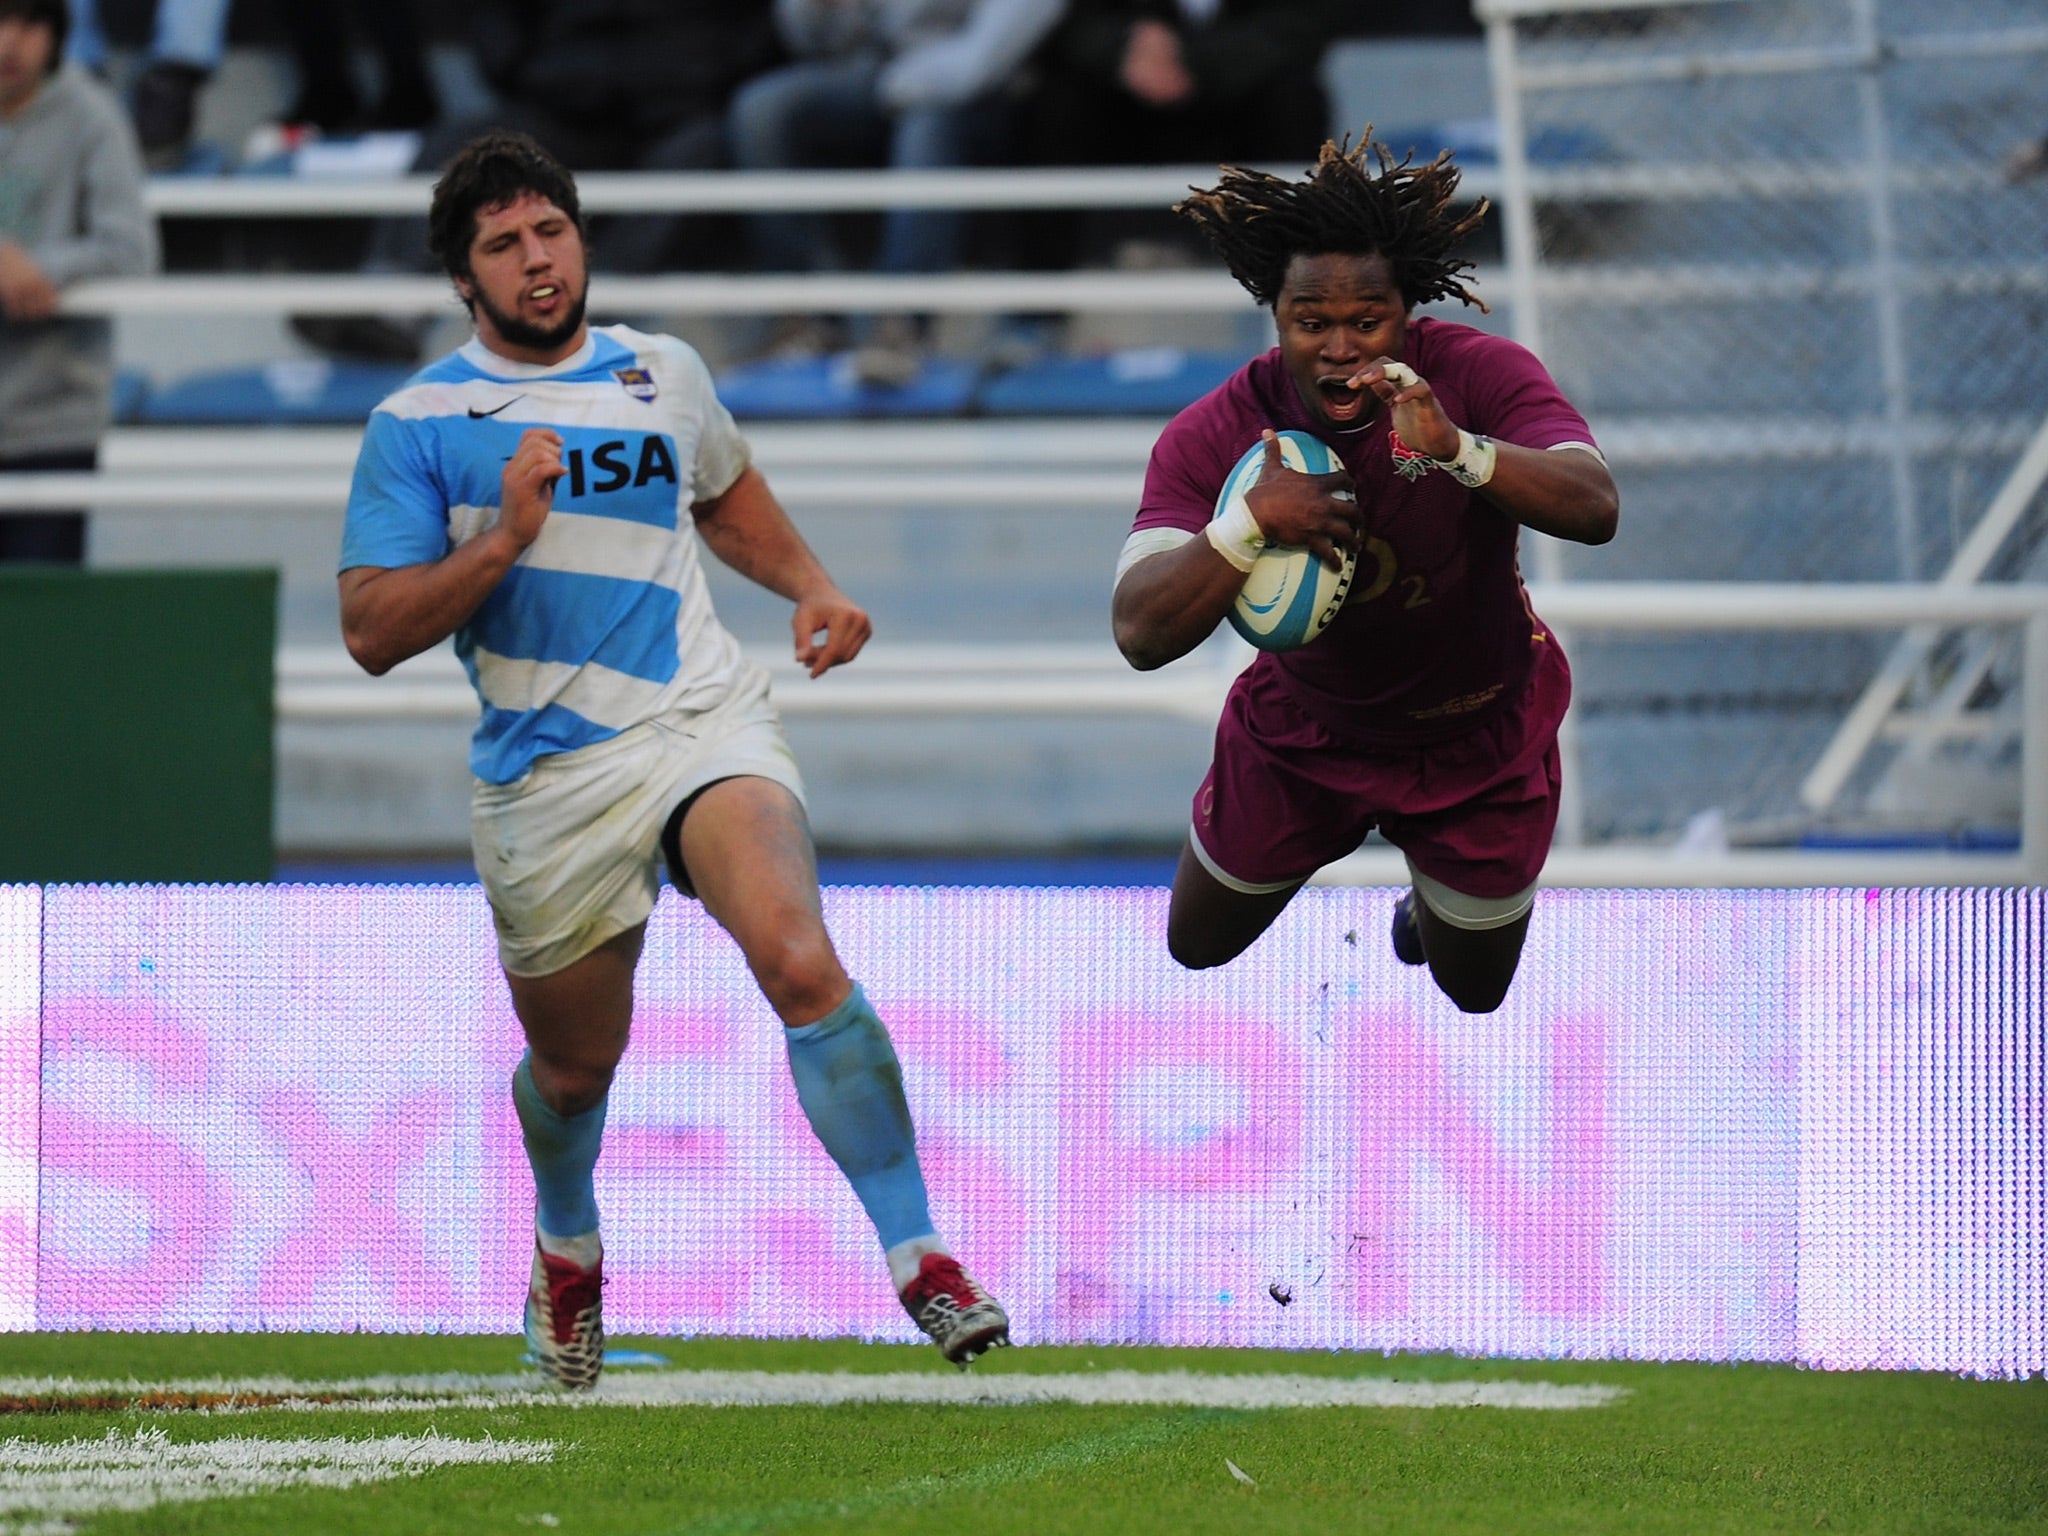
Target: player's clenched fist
{"points": [[843, 623], [528, 484]]}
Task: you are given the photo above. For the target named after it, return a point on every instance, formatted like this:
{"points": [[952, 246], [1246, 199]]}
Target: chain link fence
{"points": [[1774, 248]]}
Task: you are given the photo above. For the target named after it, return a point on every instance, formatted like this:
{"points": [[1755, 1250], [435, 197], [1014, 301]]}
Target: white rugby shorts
{"points": [[570, 855]]}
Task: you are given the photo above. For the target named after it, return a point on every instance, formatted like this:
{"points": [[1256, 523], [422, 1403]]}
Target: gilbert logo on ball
{"points": [[1290, 596]]}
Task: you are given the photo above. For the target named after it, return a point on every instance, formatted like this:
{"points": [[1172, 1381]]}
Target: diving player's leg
{"points": [[1472, 965], [1474, 861], [1274, 808], [745, 847], [1209, 922]]}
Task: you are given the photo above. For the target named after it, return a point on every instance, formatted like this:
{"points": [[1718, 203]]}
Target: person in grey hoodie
{"points": [[71, 207]]}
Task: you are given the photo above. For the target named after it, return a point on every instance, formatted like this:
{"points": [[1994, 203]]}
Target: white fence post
{"points": [[1866, 718], [2034, 752]]}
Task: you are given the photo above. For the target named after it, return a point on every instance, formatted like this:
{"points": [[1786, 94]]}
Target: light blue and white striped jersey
{"points": [[605, 621]]}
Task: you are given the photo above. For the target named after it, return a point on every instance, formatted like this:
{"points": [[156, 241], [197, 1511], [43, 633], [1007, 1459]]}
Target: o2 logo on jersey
{"points": [[613, 466]]}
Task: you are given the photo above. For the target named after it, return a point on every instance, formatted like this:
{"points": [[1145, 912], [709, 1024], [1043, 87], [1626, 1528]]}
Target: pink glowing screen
{"points": [[1707, 1125]]}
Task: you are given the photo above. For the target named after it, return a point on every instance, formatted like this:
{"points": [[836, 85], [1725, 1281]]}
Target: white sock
{"points": [[905, 1257], [583, 1251]]}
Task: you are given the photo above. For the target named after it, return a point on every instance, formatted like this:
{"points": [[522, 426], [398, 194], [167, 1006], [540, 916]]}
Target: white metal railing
{"points": [[710, 191], [709, 294], [321, 684], [977, 293], [994, 445], [180, 468], [851, 488], [255, 197], [1869, 716]]}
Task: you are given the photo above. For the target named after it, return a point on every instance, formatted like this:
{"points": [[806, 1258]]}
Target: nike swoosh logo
{"points": [[477, 415]]}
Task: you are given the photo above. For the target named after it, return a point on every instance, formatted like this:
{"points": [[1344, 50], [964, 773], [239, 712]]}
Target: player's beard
{"points": [[539, 338]]}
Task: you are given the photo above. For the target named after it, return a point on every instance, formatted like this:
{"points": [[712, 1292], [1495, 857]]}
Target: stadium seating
{"points": [[1150, 381], [294, 391], [1134, 381], [826, 387]]}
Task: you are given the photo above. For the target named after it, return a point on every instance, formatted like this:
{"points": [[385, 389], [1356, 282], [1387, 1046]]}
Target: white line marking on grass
{"points": [[47, 1487], [1075, 1454], [741, 1389]]}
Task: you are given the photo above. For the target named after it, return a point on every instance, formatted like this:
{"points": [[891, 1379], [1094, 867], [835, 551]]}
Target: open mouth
{"points": [[1340, 401], [542, 295]]}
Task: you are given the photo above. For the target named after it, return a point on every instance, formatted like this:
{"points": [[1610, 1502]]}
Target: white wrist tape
{"points": [[1237, 537], [1473, 466]]}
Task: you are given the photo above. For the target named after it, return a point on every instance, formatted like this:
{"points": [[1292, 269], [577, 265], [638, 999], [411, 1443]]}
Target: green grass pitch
{"points": [[1692, 1448]]}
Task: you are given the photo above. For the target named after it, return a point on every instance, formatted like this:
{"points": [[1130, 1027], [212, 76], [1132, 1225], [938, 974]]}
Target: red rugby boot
{"points": [[962, 1318], [565, 1320]]}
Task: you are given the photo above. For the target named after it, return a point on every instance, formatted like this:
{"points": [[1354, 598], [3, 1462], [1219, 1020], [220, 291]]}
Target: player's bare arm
{"points": [[749, 531], [388, 615], [1566, 494], [1169, 603]]}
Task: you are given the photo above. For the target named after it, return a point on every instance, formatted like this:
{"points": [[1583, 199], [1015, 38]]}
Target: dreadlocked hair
{"points": [[1259, 223]]}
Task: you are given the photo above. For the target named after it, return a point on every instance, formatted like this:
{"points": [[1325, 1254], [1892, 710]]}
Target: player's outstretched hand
{"points": [[528, 484], [1419, 419], [843, 623], [1318, 513]]}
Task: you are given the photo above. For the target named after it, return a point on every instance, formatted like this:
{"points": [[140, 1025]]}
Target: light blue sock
{"points": [[851, 1087], [563, 1151]]}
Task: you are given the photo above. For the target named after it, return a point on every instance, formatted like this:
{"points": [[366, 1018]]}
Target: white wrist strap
{"points": [[1473, 466], [1237, 537]]}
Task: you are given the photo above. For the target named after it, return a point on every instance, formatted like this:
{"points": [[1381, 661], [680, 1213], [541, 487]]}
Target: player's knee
{"points": [[1196, 951], [572, 1084], [1480, 995], [799, 973]]}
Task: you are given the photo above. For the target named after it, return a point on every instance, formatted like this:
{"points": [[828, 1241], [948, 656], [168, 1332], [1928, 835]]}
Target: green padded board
{"points": [[137, 706]]}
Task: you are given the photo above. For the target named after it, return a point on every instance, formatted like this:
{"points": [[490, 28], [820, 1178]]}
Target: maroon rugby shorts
{"points": [[1286, 795]]}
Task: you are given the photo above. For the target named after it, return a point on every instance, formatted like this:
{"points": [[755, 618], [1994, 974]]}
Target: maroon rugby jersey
{"points": [[1437, 632]]}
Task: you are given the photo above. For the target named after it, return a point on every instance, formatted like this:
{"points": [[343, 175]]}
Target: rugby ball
{"points": [[1290, 596]]}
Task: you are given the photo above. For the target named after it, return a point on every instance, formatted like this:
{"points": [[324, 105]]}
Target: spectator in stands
{"points": [[1146, 82], [908, 84], [605, 85], [2027, 160], [185, 48], [1173, 82], [70, 207], [327, 97]]}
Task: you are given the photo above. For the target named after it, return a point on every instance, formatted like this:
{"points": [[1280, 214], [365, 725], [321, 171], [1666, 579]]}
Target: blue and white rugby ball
{"points": [[1290, 596]]}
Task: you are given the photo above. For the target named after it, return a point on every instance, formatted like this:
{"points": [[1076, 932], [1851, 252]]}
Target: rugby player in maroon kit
{"points": [[1429, 707]]}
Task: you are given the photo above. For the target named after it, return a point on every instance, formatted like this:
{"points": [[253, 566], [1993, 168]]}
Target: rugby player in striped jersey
{"points": [[541, 495]]}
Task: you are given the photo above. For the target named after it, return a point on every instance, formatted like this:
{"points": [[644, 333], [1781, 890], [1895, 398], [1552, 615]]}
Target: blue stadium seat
{"points": [[825, 387], [131, 394], [295, 390], [1476, 141], [1149, 381]]}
